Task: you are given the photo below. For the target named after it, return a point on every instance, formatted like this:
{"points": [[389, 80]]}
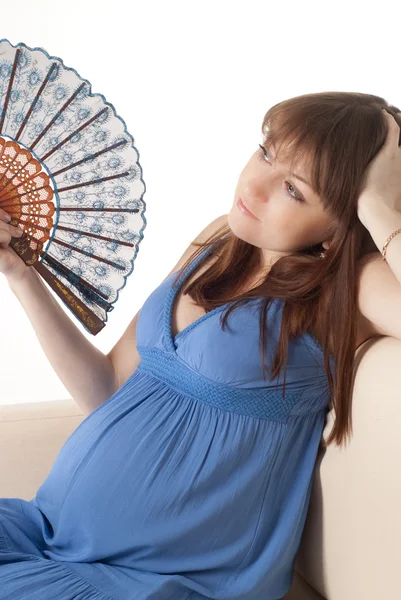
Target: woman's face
{"points": [[288, 215]]}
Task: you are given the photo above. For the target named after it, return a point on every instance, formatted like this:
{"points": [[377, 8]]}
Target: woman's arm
{"points": [[84, 370]]}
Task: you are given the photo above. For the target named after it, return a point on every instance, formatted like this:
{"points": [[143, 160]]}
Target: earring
{"points": [[323, 253]]}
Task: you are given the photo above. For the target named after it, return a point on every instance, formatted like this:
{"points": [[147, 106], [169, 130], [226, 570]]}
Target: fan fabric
{"points": [[70, 179]]}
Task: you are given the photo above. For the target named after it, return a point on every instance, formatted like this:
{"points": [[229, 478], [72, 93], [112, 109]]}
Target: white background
{"points": [[192, 80]]}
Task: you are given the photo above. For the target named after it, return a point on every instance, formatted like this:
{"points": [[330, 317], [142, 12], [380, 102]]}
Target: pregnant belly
{"points": [[156, 478]]}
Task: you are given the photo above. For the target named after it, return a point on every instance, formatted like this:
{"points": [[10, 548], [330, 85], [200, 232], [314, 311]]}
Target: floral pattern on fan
{"points": [[71, 179]]}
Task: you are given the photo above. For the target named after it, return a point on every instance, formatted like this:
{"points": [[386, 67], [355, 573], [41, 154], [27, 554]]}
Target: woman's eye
{"points": [[265, 155], [264, 151]]}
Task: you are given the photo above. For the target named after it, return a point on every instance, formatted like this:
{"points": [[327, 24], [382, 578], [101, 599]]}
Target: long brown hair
{"points": [[338, 133]]}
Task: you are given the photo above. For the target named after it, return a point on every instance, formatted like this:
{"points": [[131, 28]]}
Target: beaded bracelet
{"points": [[387, 242]]}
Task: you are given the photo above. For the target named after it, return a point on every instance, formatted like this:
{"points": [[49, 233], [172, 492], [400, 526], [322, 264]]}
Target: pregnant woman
{"points": [[190, 476]]}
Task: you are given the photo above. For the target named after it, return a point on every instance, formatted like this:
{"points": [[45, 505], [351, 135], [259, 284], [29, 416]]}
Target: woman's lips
{"points": [[245, 210]]}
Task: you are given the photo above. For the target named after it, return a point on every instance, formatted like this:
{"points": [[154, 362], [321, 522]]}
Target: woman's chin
{"points": [[241, 228]]}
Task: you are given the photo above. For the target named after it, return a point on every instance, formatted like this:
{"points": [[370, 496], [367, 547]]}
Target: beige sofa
{"points": [[351, 546]]}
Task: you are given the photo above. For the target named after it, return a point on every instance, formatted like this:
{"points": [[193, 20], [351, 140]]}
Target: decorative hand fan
{"points": [[70, 178]]}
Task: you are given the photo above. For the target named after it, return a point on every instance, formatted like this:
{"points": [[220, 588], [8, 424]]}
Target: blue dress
{"points": [[192, 481]]}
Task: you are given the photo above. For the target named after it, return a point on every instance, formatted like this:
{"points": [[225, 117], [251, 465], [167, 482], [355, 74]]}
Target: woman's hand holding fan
{"points": [[11, 265]]}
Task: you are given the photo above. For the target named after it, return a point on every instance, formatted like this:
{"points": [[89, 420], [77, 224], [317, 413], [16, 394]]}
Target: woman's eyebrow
{"points": [[292, 174], [301, 179]]}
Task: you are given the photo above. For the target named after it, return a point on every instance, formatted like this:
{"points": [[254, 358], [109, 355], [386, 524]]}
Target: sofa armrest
{"points": [[351, 544], [31, 436]]}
